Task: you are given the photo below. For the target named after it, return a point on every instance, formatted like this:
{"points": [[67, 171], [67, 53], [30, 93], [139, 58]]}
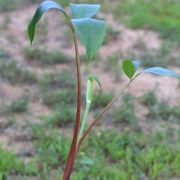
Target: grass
{"points": [[11, 71], [62, 116], [106, 154], [20, 105], [57, 89], [46, 58], [126, 112], [161, 15], [164, 56], [160, 110], [114, 65], [102, 100], [8, 163], [57, 92]]}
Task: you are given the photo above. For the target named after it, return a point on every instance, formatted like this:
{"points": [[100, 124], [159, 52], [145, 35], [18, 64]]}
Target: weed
{"points": [[20, 105], [52, 81], [44, 57], [8, 163], [50, 143], [161, 16], [102, 100], [63, 115], [149, 99], [160, 110], [12, 72], [114, 65], [126, 112], [162, 57]]}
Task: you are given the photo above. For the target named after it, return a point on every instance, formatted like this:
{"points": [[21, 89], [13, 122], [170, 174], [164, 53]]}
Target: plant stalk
{"points": [[108, 106], [72, 152], [88, 104]]}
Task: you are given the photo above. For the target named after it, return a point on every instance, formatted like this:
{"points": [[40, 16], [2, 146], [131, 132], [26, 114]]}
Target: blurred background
{"points": [[138, 139]]}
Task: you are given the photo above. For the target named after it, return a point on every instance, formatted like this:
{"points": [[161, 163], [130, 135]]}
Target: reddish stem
{"points": [[72, 153], [108, 106]]}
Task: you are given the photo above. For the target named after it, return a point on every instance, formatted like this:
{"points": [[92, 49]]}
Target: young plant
{"points": [[91, 33]]}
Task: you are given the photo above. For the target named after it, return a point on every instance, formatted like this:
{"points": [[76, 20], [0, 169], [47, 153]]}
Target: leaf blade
{"points": [[128, 68], [161, 71], [43, 7], [84, 10], [91, 33]]}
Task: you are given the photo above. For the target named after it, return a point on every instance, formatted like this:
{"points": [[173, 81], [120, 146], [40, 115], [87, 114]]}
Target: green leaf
{"points": [[43, 7], [84, 10], [136, 64], [128, 68], [89, 93], [161, 71], [95, 78], [91, 33]]}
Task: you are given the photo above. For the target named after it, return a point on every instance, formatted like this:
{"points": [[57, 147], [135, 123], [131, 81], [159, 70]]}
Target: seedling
{"points": [[91, 33]]}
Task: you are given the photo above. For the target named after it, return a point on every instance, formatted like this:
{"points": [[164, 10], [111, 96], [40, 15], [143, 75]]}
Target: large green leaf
{"points": [[91, 33], [84, 10], [128, 68], [43, 7]]}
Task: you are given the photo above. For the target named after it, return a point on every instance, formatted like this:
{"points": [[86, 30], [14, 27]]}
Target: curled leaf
{"points": [[95, 78], [43, 7], [89, 93]]}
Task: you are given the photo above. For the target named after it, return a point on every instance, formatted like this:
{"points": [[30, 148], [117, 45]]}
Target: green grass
{"points": [[165, 56], [114, 65], [63, 115], [19, 105], [47, 58], [102, 100], [106, 154], [125, 113], [58, 93], [8, 163], [160, 110], [11, 71], [161, 15]]}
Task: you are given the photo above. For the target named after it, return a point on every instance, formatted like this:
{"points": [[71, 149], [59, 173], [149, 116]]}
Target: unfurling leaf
{"points": [[89, 93], [43, 7], [91, 33], [161, 71], [128, 68], [95, 78], [84, 10]]}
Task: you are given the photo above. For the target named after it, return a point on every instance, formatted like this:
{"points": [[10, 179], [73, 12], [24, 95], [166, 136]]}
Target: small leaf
{"points": [[128, 68], [136, 64], [84, 10], [91, 33], [161, 71], [43, 7], [89, 93], [95, 78]]}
